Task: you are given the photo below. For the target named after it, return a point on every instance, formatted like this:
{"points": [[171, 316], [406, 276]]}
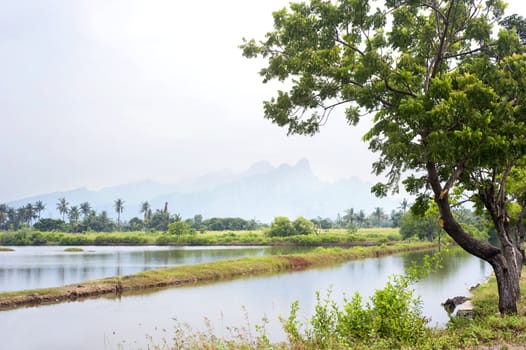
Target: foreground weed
{"points": [[245, 337]]}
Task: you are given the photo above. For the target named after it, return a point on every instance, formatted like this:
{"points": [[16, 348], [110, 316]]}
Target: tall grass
{"points": [[325, 237]]}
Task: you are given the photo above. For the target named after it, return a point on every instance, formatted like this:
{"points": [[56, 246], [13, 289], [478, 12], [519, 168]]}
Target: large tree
{"points": [[445, 93]]}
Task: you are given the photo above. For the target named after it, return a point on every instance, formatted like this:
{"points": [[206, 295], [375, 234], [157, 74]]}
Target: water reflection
{"points": [[125, 322], [42, 267]]}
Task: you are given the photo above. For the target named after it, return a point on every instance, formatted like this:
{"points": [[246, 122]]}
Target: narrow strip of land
{"points": [[200, 273]]}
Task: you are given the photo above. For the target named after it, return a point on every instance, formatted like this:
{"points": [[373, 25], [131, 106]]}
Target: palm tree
{"points": [[29, 213], [19, 218], [146, 211], [62, 207], [360, 218], [105, 222], [119, 208], [12, 220], [349, 216], [3, 216], [74, 214], [85, 209], [378, 214], [39, 208]]}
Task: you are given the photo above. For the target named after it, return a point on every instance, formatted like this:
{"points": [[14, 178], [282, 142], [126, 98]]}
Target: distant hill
{"points": [[261, 192]]}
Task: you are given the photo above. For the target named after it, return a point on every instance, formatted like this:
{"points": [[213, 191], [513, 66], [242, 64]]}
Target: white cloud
{"points": [[102, 92]]}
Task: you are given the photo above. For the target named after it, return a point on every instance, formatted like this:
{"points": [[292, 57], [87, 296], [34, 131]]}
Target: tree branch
{"points": [[436, 9], [464, 53], [398, 91], [432, 69], [355, 49], [454, 177]]}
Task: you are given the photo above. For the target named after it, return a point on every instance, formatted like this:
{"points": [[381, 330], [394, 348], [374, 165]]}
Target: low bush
{"points": [[76, 240], [391, 319], [114, 239]]}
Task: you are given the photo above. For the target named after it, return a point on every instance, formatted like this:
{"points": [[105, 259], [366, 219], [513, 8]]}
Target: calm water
{"points": [[125, 323], [42, 267]]}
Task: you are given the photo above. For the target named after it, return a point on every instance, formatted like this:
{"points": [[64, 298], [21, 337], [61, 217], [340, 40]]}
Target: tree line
{"points": [[83, 217]]}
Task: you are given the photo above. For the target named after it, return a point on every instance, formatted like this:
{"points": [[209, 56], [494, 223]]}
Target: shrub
{"points": [[75, 240], [179, 228], [165, 240], [391, 319], [109, 239], [281, 227], [48, 224], [37, 238], [351, 228], [303, 226]]}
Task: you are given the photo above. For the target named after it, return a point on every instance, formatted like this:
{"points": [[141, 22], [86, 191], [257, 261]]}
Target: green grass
{"points": [[488, 328], [5, 249], [331, 237], [73, 250]]}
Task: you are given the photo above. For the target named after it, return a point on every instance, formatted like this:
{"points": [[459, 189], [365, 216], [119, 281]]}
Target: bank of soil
{"points": [[200, 273]]}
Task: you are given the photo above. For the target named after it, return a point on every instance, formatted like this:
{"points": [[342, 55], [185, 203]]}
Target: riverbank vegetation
{"points": [[84, 218], [192, 274], [365, 236], [488, 328], [390, 319], [24, 226]]}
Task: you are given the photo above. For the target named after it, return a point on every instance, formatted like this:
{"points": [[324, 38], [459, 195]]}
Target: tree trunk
{"points": [[521, 231], [506, 260], [507, 267], [506, 263]]}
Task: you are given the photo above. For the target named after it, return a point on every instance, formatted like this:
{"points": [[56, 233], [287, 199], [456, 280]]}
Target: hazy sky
{"points": [[102, 92]]}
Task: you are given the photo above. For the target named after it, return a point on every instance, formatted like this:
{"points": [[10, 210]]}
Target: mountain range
{"points": [[261, 192]]}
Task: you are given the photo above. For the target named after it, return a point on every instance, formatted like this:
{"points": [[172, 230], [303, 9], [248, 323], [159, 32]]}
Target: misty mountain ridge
{"points": [[261, 192]]}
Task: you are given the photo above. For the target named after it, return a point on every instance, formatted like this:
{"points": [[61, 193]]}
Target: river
{"points": [[129, 321], [43, 267]]}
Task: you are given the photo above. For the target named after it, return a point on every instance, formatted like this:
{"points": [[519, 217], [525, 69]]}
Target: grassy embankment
{"points": [[487, 331], [366, 236], [207, 272]]}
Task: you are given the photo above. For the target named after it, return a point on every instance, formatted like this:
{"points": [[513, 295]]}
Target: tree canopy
{"points": [[444, 85]]}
